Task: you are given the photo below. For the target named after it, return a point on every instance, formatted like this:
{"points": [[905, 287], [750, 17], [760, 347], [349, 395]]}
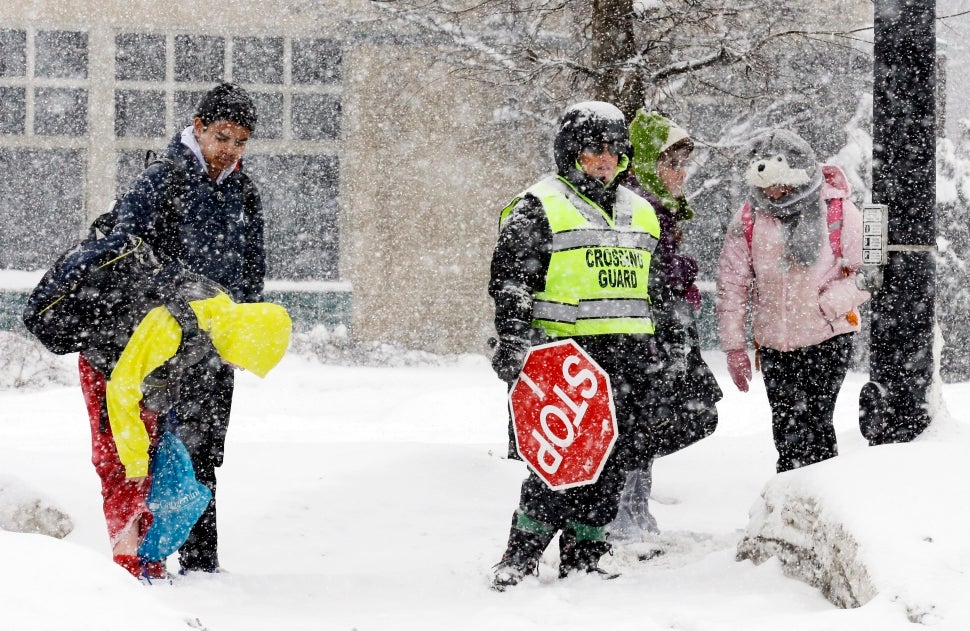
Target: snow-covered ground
{"points": [[377, 499]]}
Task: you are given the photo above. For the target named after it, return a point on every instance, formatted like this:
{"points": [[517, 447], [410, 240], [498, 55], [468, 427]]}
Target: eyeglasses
{"points": [[597, 148]]}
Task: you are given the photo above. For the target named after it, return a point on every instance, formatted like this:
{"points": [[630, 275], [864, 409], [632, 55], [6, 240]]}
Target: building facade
{"points": [[380, 203]]}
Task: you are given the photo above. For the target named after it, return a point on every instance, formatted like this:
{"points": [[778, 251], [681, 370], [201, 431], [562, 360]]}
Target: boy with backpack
{"points": [[782, 255], [196, 206]]}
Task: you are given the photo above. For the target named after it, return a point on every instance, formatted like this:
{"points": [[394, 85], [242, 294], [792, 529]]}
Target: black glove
{"points": [[509, 357]]}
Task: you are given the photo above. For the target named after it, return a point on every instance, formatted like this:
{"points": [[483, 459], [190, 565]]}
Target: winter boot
{"points": [[580, 549], [145, 571], [634, 523], [154, 570], [130, 562], [528, 539]]}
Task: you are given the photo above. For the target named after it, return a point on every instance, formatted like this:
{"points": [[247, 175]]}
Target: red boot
{"points": [[130, 562], [155, 569]]}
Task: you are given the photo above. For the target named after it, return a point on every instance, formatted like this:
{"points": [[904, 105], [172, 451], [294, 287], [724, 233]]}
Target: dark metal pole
{"points": [[893, 405]]}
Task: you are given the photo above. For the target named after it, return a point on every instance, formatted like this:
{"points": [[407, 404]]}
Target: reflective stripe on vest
{"points": [[599, 269]]}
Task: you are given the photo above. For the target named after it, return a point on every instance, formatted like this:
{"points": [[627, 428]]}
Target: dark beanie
{"points": [[227, 101]]}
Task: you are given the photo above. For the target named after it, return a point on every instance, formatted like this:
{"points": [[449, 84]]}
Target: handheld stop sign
{"points": [[563, 415]]}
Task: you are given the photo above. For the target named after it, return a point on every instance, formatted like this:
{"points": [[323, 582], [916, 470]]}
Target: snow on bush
{"points": [[793, 526], [25, 363], [885, 523]]}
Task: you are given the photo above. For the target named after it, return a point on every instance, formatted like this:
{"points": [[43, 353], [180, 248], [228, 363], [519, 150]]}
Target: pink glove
{"points": [[740, 368]]}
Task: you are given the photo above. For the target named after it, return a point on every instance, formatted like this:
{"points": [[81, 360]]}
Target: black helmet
{"points": [[590, 123]]}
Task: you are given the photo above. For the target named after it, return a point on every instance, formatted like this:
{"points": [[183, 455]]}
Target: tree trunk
{"points": [[614, 48]]}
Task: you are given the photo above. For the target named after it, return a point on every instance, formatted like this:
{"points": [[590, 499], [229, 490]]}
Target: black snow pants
{"points": [[803, 385], [203, 409]]}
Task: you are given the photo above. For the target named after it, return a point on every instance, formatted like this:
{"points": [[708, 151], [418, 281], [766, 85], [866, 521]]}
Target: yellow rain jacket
{"points": [[253, 336]]}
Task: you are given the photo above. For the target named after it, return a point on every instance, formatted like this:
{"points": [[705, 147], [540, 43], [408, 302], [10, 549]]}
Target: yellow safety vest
{"points": [[599, 270]]}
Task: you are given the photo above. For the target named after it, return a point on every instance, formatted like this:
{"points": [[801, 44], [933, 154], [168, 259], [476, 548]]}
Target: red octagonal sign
{"points": [[563, 413]]}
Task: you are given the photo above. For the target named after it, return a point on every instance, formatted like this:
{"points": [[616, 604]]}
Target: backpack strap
{"points": [[747, 222], [834, 222], [194, 344], [103, 223], [185, 316]]}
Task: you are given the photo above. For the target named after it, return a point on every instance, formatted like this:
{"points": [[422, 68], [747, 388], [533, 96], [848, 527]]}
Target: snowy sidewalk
{"points": [[378, 499]]}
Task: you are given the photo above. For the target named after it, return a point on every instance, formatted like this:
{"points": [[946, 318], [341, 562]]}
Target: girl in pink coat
{"points": [[791, 253]]}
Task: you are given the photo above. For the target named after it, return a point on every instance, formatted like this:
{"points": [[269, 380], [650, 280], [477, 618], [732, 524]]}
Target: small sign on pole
{"points": [[875, 221]]}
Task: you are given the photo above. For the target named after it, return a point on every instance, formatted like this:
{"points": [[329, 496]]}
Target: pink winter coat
{"points": [[793, 306]]}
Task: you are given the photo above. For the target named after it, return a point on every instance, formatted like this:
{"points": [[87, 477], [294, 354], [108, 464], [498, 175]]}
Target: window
{"points": [[140, 113], [299, 102], [316, 116], [61, 54], [13, 53], [300, 207], [43, 92], [139, 57], [41, 205], [60, 61], [199, 58], [130, 165], [316, 61], [60, 112], [13, 110], [48, 81], [257, 60], [185, 106], [295, 84], [269, 108]]}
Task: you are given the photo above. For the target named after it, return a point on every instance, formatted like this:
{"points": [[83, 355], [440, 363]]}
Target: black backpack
{"points": [[95, 294]]}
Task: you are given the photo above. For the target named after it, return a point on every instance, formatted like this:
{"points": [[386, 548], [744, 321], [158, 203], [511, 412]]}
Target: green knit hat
{"points": [[651, 135]]}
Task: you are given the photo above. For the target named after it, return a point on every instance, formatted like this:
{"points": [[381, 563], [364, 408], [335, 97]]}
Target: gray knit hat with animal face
{"points": [[782, 158]]}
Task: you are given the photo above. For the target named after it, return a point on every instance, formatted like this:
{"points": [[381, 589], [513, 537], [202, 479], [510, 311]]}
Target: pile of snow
{"points": [[23, 509], [876, 523], [334, 346], [56, 585]]}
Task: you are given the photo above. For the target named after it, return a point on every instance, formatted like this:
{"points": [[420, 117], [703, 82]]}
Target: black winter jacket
{"points": [[215, 230], [519, 265]]}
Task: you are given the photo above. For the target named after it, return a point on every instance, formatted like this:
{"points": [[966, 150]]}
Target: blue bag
{"points": [[176, 498]]}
